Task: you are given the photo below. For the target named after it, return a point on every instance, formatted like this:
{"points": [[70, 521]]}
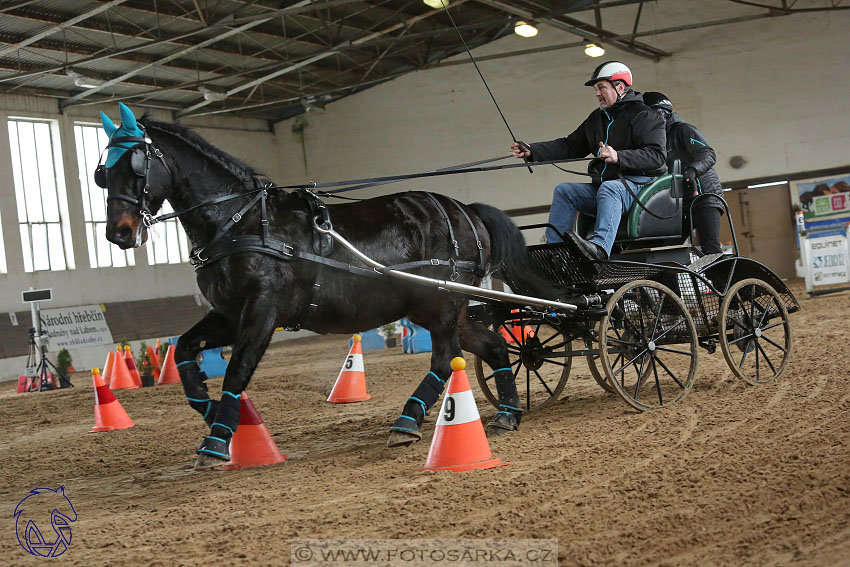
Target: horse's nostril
{"points": [[124, 234]]}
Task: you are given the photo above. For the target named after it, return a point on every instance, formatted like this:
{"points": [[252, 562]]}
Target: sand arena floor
{"points": [[733, 475]]}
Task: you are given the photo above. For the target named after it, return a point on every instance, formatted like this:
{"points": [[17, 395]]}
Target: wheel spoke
{"points": [[773, 343], [770, 302], [657, 383], [766, 359], [517, 361], [542, 381], [664, 334], [559, 363], [527, 389], [669, 372], [741, 338], [674, 350], [780, 322], [746, 348], [632, 361], [513, 336], [735, 321], [639, 381], [542, 343], [658, 316]]}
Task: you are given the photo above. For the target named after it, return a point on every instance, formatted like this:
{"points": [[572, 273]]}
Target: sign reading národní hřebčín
{"points": [[74, 327]]}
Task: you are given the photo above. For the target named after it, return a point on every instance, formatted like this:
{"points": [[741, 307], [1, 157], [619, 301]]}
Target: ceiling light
{"points": [[81, 80], [525, 29], [436, 4], [210, 94], [313, 104], [593, 50]]}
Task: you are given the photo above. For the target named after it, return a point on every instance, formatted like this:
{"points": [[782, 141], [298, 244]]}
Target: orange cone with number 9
{"points": [[459, 443], [350, 385]]}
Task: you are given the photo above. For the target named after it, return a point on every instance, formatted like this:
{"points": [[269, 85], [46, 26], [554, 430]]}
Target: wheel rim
{"points": [[593, 365], [540, 362], [648, 345], [755, 335]]}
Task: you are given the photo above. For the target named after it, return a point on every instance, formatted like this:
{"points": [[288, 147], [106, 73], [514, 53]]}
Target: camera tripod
{"points": [[40, 371]]}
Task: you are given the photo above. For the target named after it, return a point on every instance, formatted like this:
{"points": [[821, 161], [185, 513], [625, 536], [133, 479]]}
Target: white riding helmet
{"points": [[611, 71]]}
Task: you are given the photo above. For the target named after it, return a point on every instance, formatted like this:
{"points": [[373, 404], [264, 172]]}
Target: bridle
{"points": [[140, 161]]}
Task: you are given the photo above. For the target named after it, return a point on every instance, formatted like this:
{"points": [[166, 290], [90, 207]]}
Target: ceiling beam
{"points": [[319, 56], [579, 28]]}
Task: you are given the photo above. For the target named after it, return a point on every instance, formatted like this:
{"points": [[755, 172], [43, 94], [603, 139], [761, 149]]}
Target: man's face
{"points": [[606, 93]]}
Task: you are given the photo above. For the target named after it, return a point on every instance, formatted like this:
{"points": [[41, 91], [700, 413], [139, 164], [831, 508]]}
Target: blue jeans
{"points": [[608, 203]]}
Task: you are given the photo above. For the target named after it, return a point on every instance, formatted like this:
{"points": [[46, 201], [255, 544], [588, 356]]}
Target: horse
{"points": [[261, 264]]}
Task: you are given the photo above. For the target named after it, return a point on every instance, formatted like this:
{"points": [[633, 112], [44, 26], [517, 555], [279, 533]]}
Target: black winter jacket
{"points": [[687, 144], [629, 126]]}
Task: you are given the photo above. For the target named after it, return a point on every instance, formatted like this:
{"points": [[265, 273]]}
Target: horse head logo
{"points": [[41, 502]]}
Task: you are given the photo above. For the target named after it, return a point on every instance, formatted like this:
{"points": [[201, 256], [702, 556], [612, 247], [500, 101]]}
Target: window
{"points": [[40, 195], [91, 140], [2, 250], [167, 241]]}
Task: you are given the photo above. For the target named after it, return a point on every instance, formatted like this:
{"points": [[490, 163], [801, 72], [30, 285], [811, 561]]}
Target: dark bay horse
{"points": [[254, 289]]}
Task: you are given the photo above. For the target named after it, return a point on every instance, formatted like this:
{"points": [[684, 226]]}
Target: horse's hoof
{"points": [[206, 462], [403, 438], [502, 422]]}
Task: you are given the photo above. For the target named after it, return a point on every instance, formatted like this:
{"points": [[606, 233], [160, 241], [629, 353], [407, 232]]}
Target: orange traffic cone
{"points": [[156, 353], [154, 362], [121, 377], [131, 365], [350, 385], [109, 414], [252, 444], [168, 373], [459, 443], [107, 367]]}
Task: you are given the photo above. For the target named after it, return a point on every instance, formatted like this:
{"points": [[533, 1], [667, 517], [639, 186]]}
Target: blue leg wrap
{"points": [[227, 418], [425, 396], [508, 397]]}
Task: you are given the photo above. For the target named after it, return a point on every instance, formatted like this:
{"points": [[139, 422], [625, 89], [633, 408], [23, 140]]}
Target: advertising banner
{"points": [[825, 199], [70, 327]]}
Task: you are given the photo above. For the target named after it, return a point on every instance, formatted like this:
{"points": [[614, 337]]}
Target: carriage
{"points": [[643, 315], [266, 257]]}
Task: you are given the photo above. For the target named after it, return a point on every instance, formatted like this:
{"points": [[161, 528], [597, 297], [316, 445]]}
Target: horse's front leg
{"points": [[214, 330], [444, 347], [254, 332], [492, 349]]}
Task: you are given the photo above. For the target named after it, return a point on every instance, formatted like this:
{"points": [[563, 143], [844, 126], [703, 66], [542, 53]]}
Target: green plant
{"points": [[146, 364], [389, 329], [163, 350], [123, 343], [143, 352], [63, 361]]}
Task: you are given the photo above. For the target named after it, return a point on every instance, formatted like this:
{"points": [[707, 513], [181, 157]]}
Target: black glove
{"points": [[691, 175]]}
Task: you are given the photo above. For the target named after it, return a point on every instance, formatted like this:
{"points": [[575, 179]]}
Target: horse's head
{"points": [[134, 175]]}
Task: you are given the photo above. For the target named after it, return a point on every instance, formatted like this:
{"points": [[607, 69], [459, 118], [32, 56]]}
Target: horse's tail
{"points": [[508, 252]]}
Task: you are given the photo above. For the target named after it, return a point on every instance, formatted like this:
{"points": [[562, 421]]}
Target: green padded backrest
{"points": [[661, 183]]}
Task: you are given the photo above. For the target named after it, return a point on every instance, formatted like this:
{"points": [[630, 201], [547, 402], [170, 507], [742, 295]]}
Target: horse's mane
{"points": [[237, 167]]}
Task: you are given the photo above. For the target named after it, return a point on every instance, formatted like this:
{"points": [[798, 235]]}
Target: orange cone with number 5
{"points": [[459, 443], [350, 385]]}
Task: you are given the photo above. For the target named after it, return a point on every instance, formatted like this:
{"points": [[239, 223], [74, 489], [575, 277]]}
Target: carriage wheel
{"points": [[648, 345], [540, 361], [757, 339], [593, 364]]}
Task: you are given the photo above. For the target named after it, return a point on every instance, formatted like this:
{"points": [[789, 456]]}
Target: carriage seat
{"points": [[662, 196]]}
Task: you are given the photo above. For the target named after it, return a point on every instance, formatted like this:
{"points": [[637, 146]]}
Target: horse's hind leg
{"points": [[255, 330], [492, 349], [444, 347], [212, 331]]}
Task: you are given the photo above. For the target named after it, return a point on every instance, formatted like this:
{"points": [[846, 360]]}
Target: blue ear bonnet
{"points": [[129, 127]]}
